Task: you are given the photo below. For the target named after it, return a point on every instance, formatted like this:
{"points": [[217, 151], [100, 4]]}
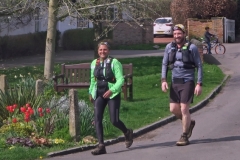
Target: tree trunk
{"points": [[50, 40]]}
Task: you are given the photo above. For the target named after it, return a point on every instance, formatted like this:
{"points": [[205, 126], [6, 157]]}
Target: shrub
{"points": [[24, 45], [78, 39], [81, 39], [202, 9]]}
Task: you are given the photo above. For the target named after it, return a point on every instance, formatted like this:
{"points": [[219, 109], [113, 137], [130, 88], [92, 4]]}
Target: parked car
{"points": [[162, 26]]}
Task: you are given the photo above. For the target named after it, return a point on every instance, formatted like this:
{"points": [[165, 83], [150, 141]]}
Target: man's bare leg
{"points": [[186, 117], [175, 108]]}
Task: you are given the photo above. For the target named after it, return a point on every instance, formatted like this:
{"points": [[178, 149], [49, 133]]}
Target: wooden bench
{"points": [[78, 76]]}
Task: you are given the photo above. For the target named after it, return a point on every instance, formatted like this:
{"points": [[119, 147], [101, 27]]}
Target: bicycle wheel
{"points": [[220, 49], [205, 49]]}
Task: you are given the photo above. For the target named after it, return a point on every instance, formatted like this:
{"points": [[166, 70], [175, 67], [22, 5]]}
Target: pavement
{"points": [[164, 131]]}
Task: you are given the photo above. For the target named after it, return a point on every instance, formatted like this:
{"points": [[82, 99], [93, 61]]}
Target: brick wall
{"points": [[131, 33], [196, 27]]}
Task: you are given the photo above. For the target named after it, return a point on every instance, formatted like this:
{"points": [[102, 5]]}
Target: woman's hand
{"points": [[90, 98], [107, 94]]}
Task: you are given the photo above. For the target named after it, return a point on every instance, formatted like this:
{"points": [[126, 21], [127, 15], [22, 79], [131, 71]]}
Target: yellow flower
{"points": [[59, 141], [12, 147]]}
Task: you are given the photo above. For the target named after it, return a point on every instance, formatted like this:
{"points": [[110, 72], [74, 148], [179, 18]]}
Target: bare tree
{"points": [[16, 13], [99, 12], [202, 9]]}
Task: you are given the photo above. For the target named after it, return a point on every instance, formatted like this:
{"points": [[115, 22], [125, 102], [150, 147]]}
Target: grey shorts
{"points": [[182, 93]]}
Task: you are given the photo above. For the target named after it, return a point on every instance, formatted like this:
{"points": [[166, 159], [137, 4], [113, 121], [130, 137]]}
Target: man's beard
{"points": [[179, 40]]}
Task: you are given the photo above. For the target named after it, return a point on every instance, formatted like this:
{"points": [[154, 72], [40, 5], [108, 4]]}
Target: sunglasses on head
{"points": [[177, 28], [106, 43]]}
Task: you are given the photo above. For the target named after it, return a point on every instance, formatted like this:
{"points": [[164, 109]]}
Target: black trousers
{"points": [[113, 105]]}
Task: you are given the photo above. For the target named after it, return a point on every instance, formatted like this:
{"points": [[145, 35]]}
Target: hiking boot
{"points": [[100, 149], [183, 141], [128, 138], [192, 124]]}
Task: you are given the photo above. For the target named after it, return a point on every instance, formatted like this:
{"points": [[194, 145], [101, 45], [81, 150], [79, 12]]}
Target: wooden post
{"points": [[39, 87], [3, 84], [74, 121]]}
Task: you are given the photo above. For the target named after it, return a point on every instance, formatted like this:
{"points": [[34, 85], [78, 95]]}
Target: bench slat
{"points": [[78, 76]]}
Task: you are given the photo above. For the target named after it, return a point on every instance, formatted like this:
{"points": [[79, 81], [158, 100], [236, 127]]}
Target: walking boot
{"points": [[128, 138], [100, 149], [192, 124], [183, 141]]}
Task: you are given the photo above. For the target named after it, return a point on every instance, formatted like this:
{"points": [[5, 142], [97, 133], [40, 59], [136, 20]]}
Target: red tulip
{"points": [[28, 105], [27, 115], [14, 120], [40, 110], [41, 114], [31, 112], [48, 110], [10, 109], [15, 106], [23, 109], [26, 119]]}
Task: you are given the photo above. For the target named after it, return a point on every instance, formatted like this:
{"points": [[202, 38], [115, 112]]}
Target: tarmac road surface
{"points": [[66, 56]]}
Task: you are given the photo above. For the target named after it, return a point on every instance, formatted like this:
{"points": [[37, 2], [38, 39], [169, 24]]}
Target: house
{"points": [[39, 22], [130, 33]]}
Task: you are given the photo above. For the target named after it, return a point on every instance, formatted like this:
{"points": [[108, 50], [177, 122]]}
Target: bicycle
{"points": [[219, 47]]}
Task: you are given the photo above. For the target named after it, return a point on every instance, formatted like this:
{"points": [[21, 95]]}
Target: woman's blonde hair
{"points": [[104, 43]]}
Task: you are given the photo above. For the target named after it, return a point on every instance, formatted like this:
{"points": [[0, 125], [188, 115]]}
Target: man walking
{"points": [[182, 58]]}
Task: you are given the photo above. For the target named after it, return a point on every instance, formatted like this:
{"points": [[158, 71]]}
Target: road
{"points": [[216, 135], [65, 56], [73, 55]]}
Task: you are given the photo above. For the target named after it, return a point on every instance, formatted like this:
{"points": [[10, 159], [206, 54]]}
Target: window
{"points": [[82, 22], [111, 13]]}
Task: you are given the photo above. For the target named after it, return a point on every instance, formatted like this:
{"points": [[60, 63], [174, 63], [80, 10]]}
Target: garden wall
{"points": [[131, 33], [196, 27]]}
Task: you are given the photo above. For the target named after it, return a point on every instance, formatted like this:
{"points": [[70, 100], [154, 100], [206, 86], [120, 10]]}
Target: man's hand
{"points": [[107, 94], [164, 86], [198, 90]]}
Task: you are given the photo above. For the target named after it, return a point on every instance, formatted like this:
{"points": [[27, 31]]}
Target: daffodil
{"points": [[12, 147]]}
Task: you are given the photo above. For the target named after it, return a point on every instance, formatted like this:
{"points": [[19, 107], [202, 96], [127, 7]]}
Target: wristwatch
{"points": [[200, 84], [163, 80]]}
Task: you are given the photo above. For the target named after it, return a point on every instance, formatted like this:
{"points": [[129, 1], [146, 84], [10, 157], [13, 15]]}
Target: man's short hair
{"points": [[206, 28]]}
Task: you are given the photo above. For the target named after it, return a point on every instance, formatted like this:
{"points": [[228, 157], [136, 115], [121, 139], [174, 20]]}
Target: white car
{"points": [[162, 26]]}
